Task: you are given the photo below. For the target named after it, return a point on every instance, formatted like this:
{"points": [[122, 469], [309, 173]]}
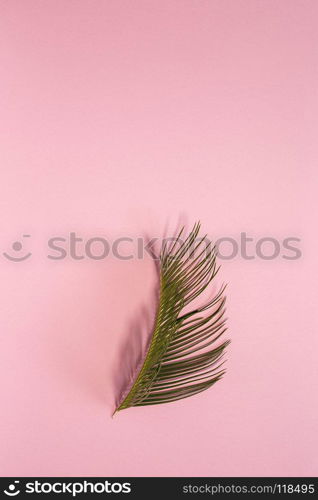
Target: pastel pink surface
{"points": [[117, 117]]}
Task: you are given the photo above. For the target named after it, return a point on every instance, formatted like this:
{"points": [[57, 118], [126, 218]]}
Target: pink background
{"points": [[119, 116]]}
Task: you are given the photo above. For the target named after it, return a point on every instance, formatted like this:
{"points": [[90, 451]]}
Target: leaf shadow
{"points": [[133, 348]]}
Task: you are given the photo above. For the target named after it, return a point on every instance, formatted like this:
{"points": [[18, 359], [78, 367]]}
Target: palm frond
{"points": [[180, 361]]}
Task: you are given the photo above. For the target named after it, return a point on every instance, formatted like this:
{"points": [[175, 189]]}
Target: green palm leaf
{"points": [[180, 361]]}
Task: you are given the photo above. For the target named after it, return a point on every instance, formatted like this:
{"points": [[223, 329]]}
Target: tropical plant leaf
{"points": [[180, 361]]}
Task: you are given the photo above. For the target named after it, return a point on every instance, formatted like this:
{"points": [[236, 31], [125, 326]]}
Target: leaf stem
{"points": [[126, 401]]}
